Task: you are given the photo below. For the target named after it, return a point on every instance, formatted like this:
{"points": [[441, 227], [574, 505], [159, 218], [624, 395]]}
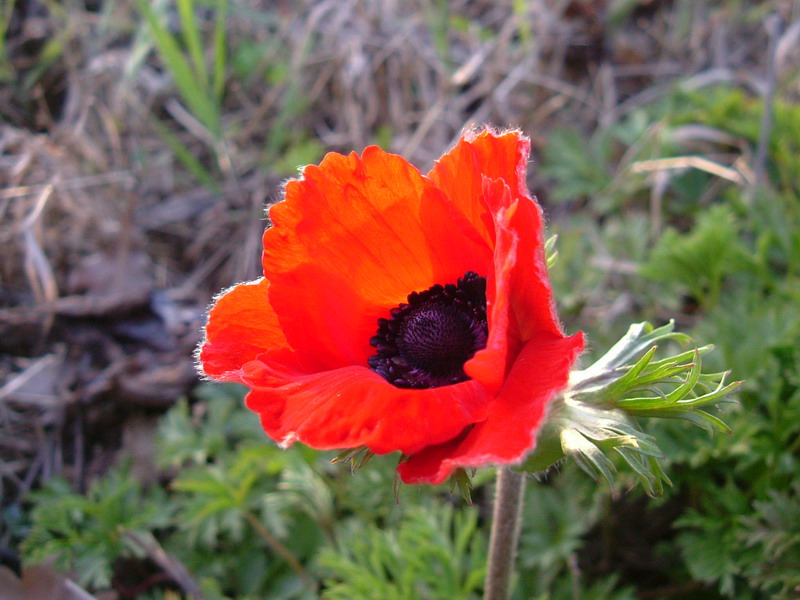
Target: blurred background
{"points": [[139, 145]]}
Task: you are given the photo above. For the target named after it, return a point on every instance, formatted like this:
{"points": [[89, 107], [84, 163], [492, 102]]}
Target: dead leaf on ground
{"points": [[39, 582]]}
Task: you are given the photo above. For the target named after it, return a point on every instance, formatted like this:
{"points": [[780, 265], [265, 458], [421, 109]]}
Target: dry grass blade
{"points": [[175, 568], [689, 162], [39, 582], [37, 367]]}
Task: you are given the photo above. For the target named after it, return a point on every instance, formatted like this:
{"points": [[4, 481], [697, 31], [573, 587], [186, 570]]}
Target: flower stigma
{"points": [[426, 341]]}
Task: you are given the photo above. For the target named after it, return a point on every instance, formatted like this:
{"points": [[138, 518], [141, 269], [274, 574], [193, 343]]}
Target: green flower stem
{"points": [[505, 533]]}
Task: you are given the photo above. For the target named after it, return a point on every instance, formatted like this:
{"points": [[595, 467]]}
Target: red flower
{"points": [[340, 352]]}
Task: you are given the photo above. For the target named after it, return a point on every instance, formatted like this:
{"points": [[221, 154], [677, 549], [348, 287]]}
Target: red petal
{"points": [[484, 174], [490, 365], [519, 298], [241, 325], [480, 155], [353, 238], [354, 406], [533, 310], [509, 432]]}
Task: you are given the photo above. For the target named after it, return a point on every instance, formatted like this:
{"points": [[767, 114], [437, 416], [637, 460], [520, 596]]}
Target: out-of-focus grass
{"points": [[5, 21], [200, 86]]}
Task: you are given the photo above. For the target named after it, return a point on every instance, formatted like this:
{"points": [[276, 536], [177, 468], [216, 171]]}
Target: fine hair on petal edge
{"points": [[198, 366], [472, 131]]}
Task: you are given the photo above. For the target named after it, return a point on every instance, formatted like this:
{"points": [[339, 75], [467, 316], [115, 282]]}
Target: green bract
{"points": [[597, 413]]}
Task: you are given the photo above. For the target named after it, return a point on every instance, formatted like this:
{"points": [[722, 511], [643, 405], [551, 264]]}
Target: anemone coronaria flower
{"points": [[400, 311]]}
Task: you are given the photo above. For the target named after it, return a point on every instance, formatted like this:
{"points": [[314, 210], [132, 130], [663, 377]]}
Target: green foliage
{"points": [[210, 431], [728, 267], [555, 518], [743, 481], [734, 111], [6, 71], [700, 259], [87, 533], [199, 77], [774, 533], [597, 168], [185, 156], [598, 413], [605, 589], [222, 515], [578, 170], [249, 519], [434, 552]]}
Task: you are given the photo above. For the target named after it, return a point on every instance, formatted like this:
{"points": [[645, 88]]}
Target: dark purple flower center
{"points": [[427, 340]]}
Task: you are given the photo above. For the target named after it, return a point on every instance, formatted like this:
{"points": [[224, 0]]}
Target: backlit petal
{"points": [[241, 325], [533, 310], [352, 239], [477, 156], [519, 297]]}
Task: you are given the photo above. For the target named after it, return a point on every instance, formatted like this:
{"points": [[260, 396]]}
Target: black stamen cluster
{"points": [[427, 340]]}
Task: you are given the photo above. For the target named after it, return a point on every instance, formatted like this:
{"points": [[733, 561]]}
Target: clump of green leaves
{"points": [[773, 531], [700, 260], [87, 533], [249, 519], [222, 513], [734, 111], [596, 167], [435, 552]]}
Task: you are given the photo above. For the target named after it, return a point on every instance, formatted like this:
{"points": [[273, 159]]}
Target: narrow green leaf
{"points": [[683, 356], [663, 374], [192, 90], [628, 380], [185, 156], [460, 479], [641, 468], [220, 48], [694, 374], [640, 336], [191, 37]]}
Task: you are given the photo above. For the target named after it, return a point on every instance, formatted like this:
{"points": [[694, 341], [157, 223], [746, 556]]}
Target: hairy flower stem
{"points": [[505, 533]]}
